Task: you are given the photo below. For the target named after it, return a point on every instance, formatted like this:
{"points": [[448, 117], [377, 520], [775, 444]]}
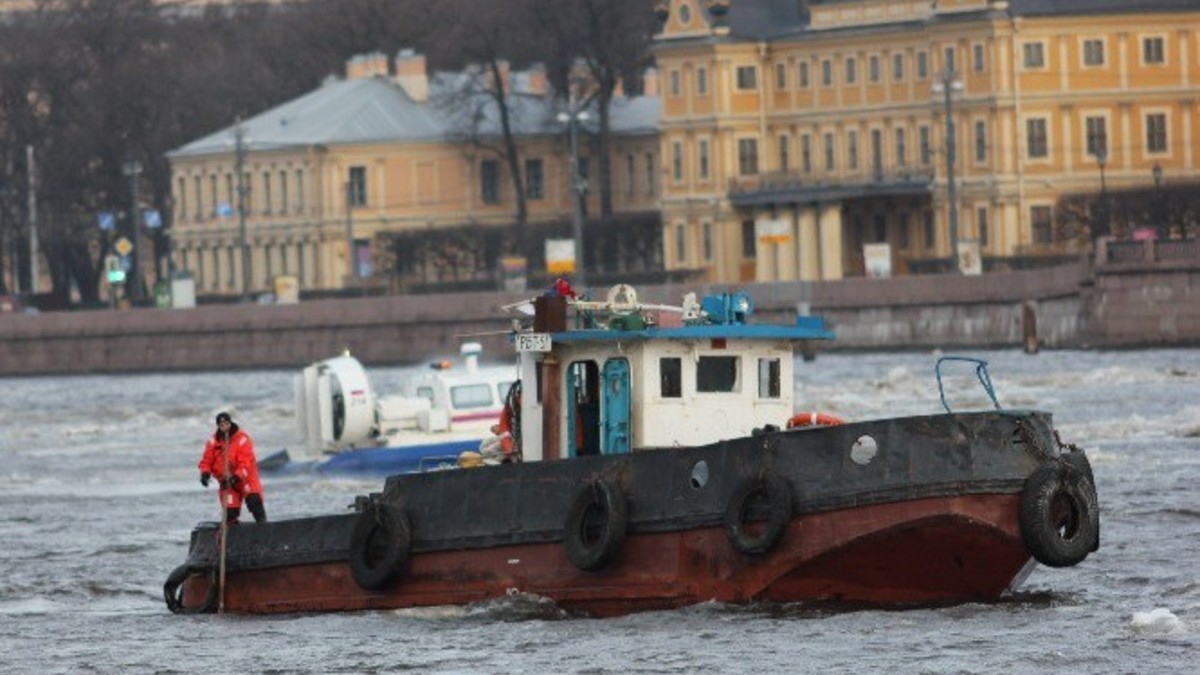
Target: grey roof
{"points": [[766, 19], [378, 110]]}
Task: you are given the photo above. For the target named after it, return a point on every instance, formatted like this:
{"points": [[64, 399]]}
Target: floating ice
{"points": [[1158, 621]]}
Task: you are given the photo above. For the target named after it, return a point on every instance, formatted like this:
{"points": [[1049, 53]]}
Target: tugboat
{"points": [[656, 461]]}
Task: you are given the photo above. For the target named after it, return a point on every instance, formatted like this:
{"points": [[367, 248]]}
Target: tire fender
{"points": [[747, 500], [379, 545], [1059, 517], [596, 525]]}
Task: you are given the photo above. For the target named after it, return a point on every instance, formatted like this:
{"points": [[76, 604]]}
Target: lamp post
{"points": [[1159, 211], [133, 169], [239, 157], [573, 117], [1102, 226], [946, 86]]}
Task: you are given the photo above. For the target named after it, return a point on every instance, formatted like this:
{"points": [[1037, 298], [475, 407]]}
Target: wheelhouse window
{"points": [[768, 378], [471, 396], [670, 377], [716, 374]]}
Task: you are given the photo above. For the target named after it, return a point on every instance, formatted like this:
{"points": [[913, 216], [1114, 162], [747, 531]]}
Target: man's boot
{"points": [[254, 502]]}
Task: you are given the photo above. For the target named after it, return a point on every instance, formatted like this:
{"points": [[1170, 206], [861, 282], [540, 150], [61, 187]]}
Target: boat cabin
{"points": [[632, 377]]}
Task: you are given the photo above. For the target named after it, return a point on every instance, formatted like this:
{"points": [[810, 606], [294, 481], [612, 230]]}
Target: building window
{"points": [[852, 150], [266, 192], [1156, 132], [650, 174], [1153, 51], [181, 208], [981, 220], [898, 67], [1035, 56], [949, 60], [247, 187], [283, 192], [926, 148], [198, 184], [851, 70], [806, 153], [902, 219], [1093, 52], [1035, 135], [930, 234], [747, 156], [299, 190], [784, 157], [749, 243], [707, 241], [977, 56], [747, 78], [675, 83], [922, 65], [702, 151], [781, 76], [901, 148], [873, 68], [980, 141], [680, 243], [1041, 218], [827, 73], [1097, 136], [489, 181], [677, 161], [630, 174], [877, 153], [829, 159], [701, 80], [358, 186], [535, 179], [804, 75], [230, 196]]}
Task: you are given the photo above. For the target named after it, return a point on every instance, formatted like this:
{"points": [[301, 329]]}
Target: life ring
{"points": [[814, 419], [596, 525], [1060, 517], [173, 589], [379, 545], [767, 494]]}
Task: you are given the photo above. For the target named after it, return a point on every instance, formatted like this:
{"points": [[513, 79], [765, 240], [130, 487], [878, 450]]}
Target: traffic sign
{"points": [[152, 219], [106, 220], [123, 246]]}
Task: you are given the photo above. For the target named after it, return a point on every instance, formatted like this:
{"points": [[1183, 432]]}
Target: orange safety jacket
{"points": [[241, 462]]}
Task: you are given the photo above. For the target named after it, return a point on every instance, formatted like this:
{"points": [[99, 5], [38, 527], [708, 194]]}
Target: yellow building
{"points": [[387, 149], [796, 134]]}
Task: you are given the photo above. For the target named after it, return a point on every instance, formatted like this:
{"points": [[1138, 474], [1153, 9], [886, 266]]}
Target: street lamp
{"points": [[1158, 205], [946, 86], [1102, 226], [133, 169], [573, 117]]}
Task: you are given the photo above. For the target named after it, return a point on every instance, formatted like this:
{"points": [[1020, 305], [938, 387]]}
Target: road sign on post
{"points": [[123, 246]]}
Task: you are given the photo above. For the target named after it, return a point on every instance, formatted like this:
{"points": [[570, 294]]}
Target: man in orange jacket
{"points": [[229, 457]]}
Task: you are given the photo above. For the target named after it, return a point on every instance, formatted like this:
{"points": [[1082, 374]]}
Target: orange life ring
{"points": [[813, 419]]}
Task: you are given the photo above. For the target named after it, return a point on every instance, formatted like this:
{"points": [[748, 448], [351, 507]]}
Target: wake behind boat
{"points": [[664, 465], [346, 428]]}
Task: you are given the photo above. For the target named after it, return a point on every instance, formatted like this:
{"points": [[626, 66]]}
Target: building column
{"points": [[830, 226], [808, 245]]}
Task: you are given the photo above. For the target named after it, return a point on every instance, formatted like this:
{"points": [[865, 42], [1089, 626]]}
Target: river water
{"points": [[99, 491]]}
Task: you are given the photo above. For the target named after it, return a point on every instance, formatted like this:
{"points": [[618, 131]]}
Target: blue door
{"points": [[616, 407]]}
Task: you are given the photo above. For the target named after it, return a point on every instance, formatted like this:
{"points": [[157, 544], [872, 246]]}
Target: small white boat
{"points": [[346, 428]]}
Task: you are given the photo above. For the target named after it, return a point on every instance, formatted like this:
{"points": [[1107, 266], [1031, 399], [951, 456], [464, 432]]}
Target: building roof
{"points": [[378, 110]]}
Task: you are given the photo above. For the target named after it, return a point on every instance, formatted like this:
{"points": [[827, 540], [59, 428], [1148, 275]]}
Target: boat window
{"points": [[425, 392], [716, 374], [768, 378], [471, 396], [670, 375], [502, 389], [583, 388]]}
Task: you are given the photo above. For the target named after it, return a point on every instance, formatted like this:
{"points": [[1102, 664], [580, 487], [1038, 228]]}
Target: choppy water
{"points": [[98, 494]]}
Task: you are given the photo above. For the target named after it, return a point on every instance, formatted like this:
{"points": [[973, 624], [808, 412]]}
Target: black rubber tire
{"points": [[379, 546], [1079, 461], [745, 501], [596, 525], [1060, 517], [173, 590]]}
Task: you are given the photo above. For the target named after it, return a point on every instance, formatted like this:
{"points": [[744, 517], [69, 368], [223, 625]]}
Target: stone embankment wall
{"points": [[1070, 306]]}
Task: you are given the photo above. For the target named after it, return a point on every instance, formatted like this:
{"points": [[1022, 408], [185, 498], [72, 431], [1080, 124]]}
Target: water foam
{"points": [[1158, 621]]}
